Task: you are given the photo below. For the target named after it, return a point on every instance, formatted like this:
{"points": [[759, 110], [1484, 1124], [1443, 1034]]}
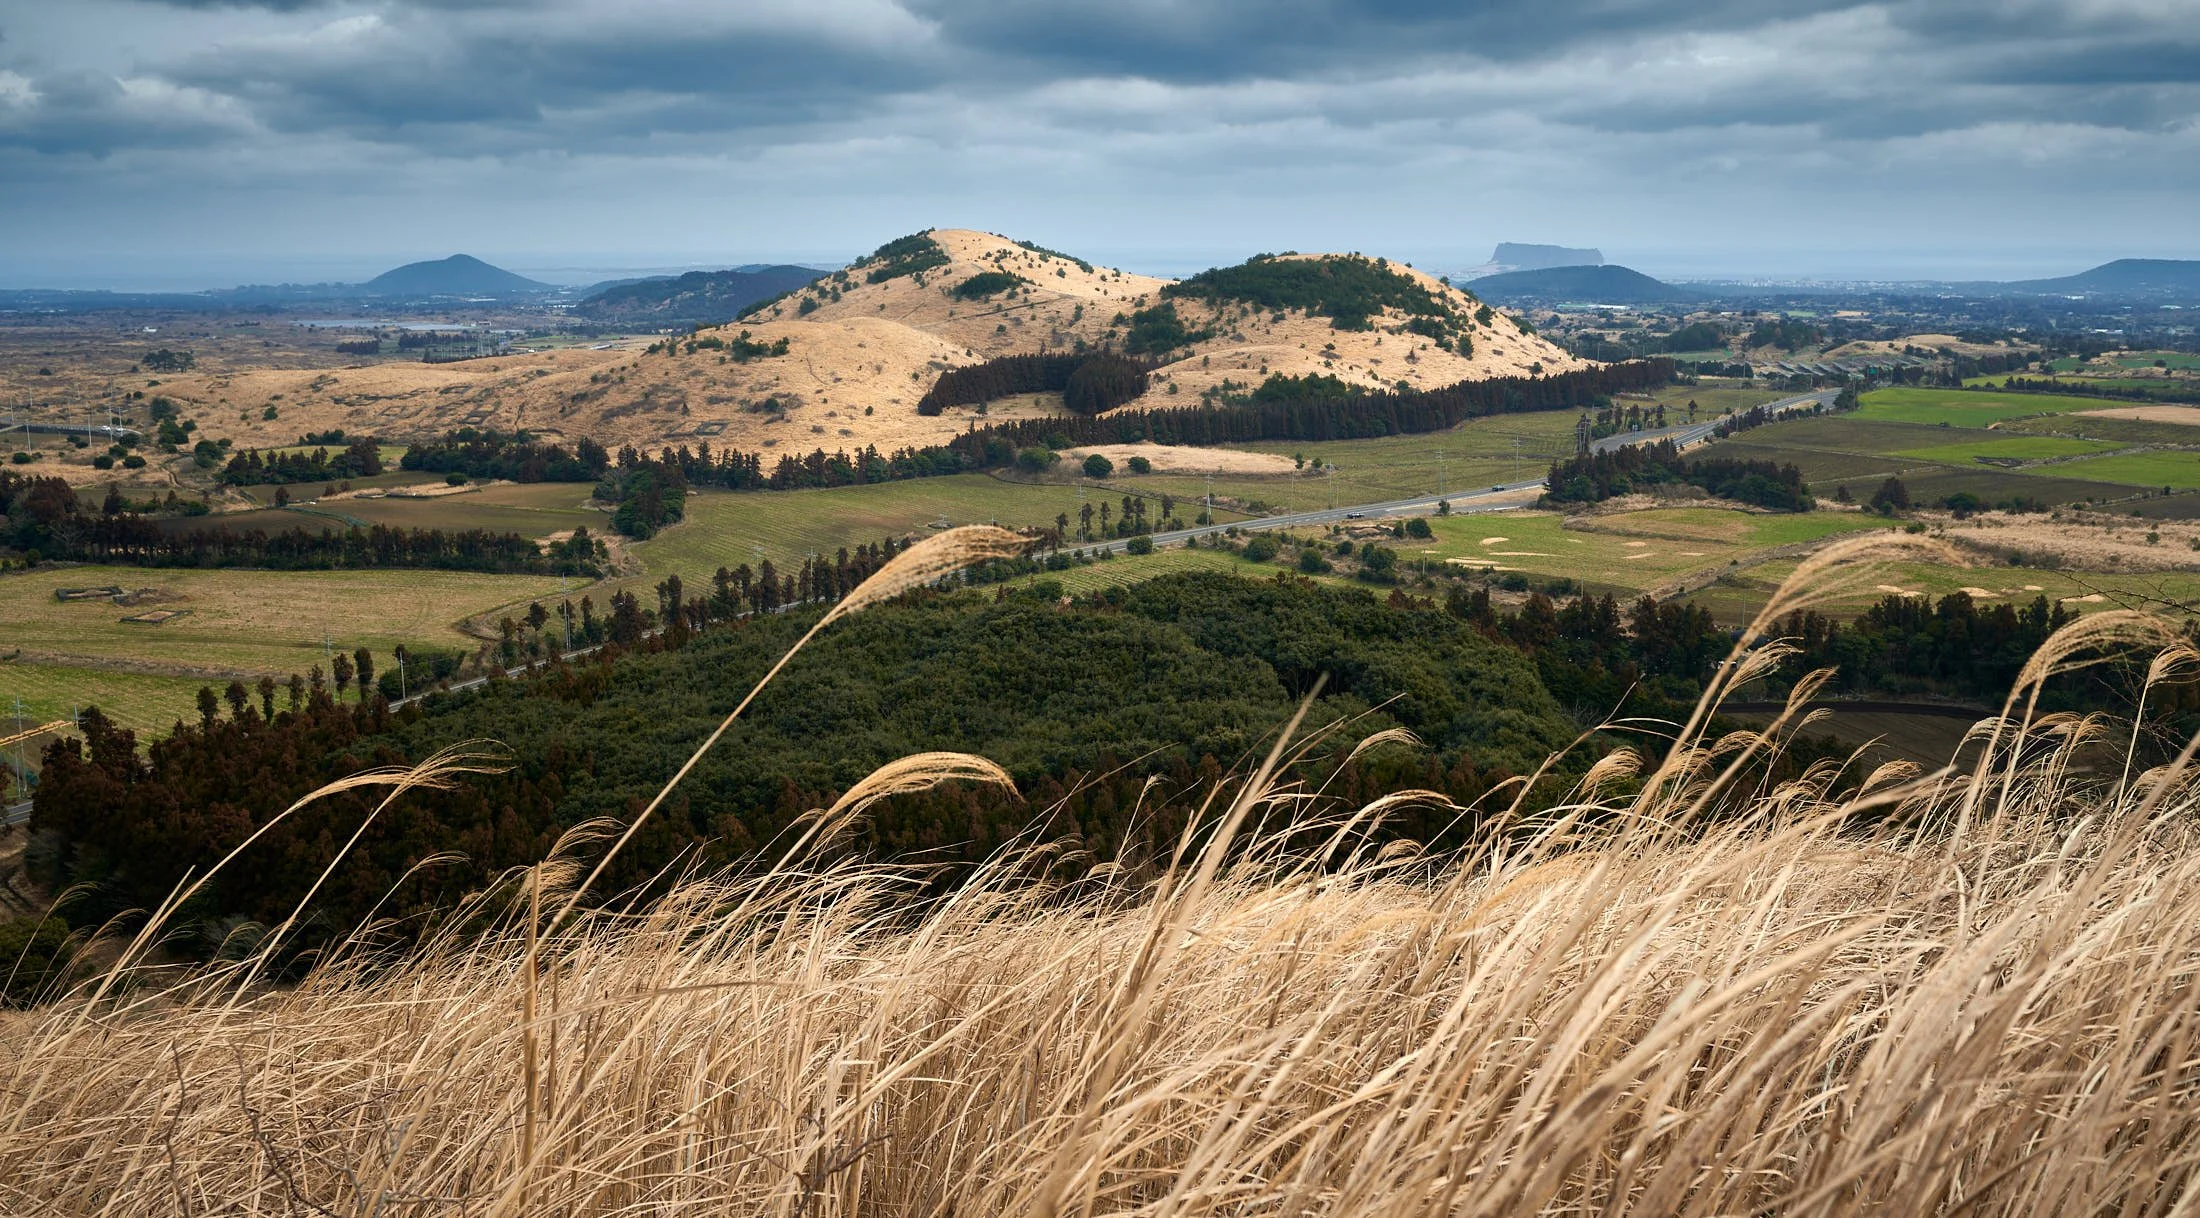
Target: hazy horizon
{"points": [[186, 144], [576, 269]]}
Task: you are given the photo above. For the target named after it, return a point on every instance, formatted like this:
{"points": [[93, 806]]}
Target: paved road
{"points": [[15, 814]]}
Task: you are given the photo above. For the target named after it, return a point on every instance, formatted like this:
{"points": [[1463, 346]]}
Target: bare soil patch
{"points": [[1171, 459], [2188, 416], [2080, 541]]}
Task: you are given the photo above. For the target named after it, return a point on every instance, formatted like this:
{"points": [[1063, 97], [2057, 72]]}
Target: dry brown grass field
{"points": [[1677, 992]]}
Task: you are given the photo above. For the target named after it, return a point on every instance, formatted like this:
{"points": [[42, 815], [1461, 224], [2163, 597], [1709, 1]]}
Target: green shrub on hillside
{"points": [[909, 255], [1348, 289], [986, 283]]}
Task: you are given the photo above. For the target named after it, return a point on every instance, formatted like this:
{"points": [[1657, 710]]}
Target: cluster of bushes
{"points": [[1786, 333], [1158, 330], [1044, 252], [986, 283], [649, 495], [514, 456], [910, 255], [741, 348], [1349, 290], [1595, 477], [358, 459], [1089, 383]]}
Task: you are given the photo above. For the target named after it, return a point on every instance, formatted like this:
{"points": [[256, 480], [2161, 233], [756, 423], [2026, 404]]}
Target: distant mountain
{"points": [[1586, 284], [457, 275], [696, 298], [1518, 256], [1524, 257], [2123, 277]]}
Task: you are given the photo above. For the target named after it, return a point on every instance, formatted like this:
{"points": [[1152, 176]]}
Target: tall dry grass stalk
{"points": [[1669, 995]]}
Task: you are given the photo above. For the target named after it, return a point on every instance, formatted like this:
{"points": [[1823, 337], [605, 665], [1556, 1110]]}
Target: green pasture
{"points": [[248, 621], [726, 529], [1631, 551], [1964, 407], [2180, 470], [145, 702], [2018, 448]]}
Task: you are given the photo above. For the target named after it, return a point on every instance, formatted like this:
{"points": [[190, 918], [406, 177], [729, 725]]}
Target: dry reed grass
{"points": [[1675, 994]]}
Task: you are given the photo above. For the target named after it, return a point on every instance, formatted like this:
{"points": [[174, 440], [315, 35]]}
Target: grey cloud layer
{"points": [[814, 95]]}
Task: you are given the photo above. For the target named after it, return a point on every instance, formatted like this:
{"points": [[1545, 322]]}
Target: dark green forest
{"points": [[1182, 678]]}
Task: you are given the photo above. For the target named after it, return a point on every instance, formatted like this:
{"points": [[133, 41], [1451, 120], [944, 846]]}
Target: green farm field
{"points": [[1626, 552], [247, 621], [1936, 461], [2018, 448], [2179, 470], [726, 529], [1473, 456], [1965, 407], [144, 702]]}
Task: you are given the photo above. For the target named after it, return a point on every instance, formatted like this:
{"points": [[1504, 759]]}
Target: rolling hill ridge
{"points": [[864, 344]]}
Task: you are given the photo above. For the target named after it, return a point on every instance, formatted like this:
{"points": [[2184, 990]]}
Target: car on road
{"points": [[1354, 515]]}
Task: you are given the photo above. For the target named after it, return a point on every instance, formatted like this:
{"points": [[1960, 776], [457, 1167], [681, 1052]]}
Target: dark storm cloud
{"points": [[1311, 104], [1238, 39], [415, 71]]}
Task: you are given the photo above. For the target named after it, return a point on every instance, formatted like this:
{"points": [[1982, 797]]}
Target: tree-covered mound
{"points": [[1181, 678], [910, 255], [1347, 288], [987, 283]]}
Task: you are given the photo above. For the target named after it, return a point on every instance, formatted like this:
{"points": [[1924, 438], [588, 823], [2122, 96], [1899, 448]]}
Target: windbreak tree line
{"points": [[1323, 417], [1310, 408], [43, 517]]}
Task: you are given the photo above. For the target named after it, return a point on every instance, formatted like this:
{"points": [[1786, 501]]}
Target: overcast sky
{"points": [[202, 143]]}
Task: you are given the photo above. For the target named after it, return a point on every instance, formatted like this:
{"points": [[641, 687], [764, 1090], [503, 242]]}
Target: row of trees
{"points": [[44, 517], [139, 541], [1363, 416], [1283, 409]]}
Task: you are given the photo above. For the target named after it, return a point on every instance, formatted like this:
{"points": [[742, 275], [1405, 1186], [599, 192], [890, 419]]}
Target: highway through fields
{"points": [[1467, 503]]}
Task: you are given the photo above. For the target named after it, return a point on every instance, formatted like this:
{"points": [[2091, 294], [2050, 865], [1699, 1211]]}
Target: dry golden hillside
{"points": [[859, 355]]}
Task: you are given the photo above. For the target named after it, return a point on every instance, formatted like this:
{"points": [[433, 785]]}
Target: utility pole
{"points": [[19, 774], [1516, 458]]}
